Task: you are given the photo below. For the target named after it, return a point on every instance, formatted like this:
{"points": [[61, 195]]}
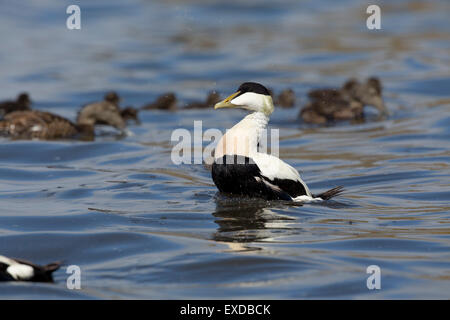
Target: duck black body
{"points": [[21, 270], [239, 175], [239, 168]]}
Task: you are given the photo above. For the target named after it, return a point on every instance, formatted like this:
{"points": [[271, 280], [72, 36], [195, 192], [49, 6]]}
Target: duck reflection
{"points": [[242, 221]]}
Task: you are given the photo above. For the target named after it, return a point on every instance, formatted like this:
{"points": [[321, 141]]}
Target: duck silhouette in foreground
{"points": [[21, 270], [34, 124], [22, 103], [346, 103]]}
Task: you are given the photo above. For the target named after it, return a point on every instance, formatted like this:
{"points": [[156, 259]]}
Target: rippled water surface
{"points": [[140, 226]]}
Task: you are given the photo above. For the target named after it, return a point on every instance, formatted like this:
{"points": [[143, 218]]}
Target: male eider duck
{"points": [[22, 103], [36, 124], [21, 270], [346, 103], [239, 168]]}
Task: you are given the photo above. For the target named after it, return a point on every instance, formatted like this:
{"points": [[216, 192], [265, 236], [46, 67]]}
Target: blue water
{"points": [[140, 226]]}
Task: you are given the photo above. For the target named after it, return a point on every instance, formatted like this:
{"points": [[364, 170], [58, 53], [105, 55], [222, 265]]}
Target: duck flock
{"points": [[19, 121], [258, 175]]}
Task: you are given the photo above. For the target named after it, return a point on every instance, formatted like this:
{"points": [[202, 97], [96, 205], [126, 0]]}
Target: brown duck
{"points": [[346, 103], [167, 101], [22, 102], [128, 113], [212, 98], [34, 124], [286, 98]]}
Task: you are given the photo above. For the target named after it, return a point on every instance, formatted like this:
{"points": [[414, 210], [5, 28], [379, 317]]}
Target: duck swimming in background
{"points": [[346, 103], [286, 99], [128, 113], [34, 124], [21, 270], [239, 168], [212, 98], [167, 101], [22, 103]]}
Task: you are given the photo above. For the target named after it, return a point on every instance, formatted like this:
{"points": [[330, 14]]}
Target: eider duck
{"points": [[212, 98], [167, 101], [286, 98], [112, 97], [22, 103], [346, 103], [239, 168], [36, 124], [128, 113], [21, 270]]}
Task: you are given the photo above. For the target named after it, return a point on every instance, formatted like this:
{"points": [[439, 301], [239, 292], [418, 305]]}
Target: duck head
{"points": [[112, 97], [24, 102], [368, 93], [250, 96]]}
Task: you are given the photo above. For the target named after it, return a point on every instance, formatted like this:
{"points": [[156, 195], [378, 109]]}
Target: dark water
{"points": [[140, 226]]}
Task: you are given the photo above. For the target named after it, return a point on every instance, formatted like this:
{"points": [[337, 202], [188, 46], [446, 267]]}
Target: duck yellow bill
{"points": [[226, 103]]}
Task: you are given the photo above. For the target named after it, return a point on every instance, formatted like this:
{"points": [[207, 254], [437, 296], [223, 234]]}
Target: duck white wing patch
{"points": [[20, 271], [273, 168], [36, 128], [7, 261], [17, 270], [306, 199]]}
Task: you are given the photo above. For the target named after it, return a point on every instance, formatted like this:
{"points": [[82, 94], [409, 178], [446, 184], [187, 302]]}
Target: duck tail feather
{"points": [[52, 267], [327, 195]]}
